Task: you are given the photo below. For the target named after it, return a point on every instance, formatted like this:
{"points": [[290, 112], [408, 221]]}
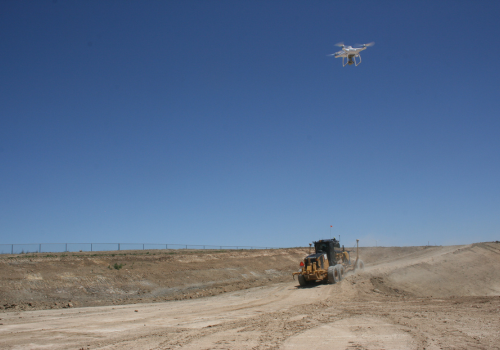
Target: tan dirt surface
{"points": [[406, 298]]}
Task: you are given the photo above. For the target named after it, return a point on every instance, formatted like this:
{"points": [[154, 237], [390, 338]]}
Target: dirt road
{"points": [[407, 298]]}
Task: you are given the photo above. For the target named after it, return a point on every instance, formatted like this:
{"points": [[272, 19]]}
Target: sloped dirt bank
{"points": [[47, 281], [441, 272]]}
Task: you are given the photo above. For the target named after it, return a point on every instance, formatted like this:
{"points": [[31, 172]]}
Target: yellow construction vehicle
{"points": [[327, 264]]}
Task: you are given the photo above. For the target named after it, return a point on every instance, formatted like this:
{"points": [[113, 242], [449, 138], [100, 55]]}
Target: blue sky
{"points": [[225, 122]]}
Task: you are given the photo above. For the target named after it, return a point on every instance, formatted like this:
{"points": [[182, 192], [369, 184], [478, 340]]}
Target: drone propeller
{"points": [[366, 45], [341, 44]]}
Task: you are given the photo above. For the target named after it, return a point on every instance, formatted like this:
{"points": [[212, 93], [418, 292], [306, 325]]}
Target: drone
{"points": [[350, 53]]}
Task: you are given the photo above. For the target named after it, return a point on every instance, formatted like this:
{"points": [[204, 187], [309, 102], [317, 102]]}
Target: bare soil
{"points": [[406, 298], [52, 281]]}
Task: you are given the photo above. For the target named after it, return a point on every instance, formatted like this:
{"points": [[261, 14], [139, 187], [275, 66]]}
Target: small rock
{"points": [[70, 304], [136, 310], [376, 290]]}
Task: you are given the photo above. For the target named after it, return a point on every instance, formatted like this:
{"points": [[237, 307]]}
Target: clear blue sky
{"points": [[225, 122]]}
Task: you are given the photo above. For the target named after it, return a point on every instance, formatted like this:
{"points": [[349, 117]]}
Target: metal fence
{"points": [[26, 248]]}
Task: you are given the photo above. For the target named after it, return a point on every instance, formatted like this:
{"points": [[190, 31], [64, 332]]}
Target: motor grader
{"points": [[327, 264]]}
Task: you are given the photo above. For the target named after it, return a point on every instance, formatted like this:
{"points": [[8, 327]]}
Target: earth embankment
{"points": [[436, 271], [44, 281]]}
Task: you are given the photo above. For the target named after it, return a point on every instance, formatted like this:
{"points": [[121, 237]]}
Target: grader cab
{"points": [[328, 264]]}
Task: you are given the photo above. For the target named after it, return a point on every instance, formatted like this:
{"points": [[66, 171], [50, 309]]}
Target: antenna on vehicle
{"points": [[357, 253]]}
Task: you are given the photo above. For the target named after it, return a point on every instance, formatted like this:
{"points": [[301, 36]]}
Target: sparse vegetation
{"points": [[26, 255], [117, 266]]}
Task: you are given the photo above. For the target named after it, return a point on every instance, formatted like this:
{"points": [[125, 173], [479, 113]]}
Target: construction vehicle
{"points": [[327, 264]]}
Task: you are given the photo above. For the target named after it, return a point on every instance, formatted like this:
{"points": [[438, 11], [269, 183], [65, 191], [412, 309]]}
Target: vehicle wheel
{"points": [[341, 271], [333, 275], [302, 280], [360, 265]]}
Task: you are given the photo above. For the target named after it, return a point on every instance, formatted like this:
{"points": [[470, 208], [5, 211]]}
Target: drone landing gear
{"points": [[357, 64], [351, 60]]}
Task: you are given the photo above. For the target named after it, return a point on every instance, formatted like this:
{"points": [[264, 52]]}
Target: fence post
{"points": [[143, 246], [40, 248], [166, 246], [90, 246], [12, 249], [186, 246], [118, 246], [66, 247]]}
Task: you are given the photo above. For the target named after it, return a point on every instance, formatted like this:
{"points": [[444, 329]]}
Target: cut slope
{"points": [[471, 270], [53, 281]]}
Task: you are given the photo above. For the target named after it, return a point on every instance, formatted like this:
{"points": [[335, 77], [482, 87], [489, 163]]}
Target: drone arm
{"points": [[344, 64]]}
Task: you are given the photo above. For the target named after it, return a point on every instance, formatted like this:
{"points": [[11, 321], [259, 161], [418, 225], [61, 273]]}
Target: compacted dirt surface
{"points": [[406, 298]]}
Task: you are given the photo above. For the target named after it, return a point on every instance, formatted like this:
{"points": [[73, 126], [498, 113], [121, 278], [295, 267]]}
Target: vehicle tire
{"points": [[341, 271], [302, 280], [360, 265], [333, 275]]}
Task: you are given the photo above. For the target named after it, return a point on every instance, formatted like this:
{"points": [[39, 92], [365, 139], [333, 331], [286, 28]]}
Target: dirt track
{"points": [[407, 298]]}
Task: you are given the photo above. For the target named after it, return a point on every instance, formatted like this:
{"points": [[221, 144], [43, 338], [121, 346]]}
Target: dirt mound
{"points": [[41, 281], [451, 271]]}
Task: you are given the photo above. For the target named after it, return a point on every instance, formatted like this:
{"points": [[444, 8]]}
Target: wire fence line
{"points": [[24, 248]]}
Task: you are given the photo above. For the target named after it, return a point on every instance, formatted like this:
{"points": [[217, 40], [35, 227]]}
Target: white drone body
{"points": [[349, 53]]}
